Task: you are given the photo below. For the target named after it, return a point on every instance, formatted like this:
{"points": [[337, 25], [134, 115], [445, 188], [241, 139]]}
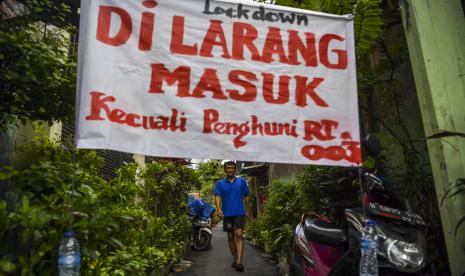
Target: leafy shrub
{"points": [[328, 191], [317, 189], [119, 231], [209, 172], [280, 214]]}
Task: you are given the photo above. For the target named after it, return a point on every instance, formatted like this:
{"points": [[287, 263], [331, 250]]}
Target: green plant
{"points": [[453, 190], [37, 63], [118, 230], [6, 264], [275, 225], [325, 193], [209, 172], [165, 186], [314, 189]]}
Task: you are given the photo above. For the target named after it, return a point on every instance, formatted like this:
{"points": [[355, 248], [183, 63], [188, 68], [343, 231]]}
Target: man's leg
{"points": [[228, 227], [238, 233], [239, 245], [232, 245]]}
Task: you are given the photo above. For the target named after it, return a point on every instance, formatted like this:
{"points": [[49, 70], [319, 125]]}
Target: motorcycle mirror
{"points": [[372, 145]]}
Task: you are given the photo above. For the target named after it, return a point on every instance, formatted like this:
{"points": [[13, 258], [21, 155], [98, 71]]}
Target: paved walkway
{"points": [[217, 260]]}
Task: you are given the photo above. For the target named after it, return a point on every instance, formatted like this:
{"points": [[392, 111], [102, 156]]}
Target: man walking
{"points": [[230, 194]]}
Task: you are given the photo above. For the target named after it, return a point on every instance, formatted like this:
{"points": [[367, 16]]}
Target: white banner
{"points": [[219, 80]]}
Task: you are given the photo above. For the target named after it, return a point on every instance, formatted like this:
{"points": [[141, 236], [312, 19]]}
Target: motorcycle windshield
{"points": [[381, 191]]}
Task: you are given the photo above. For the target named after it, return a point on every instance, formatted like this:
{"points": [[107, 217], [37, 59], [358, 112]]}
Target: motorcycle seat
{"points": [[324, 232]]}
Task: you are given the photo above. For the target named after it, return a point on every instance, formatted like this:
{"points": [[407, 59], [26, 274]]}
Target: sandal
{"points": [[239, 268]]}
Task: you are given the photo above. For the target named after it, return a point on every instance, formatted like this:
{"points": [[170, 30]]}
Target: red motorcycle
{"points": [[323, 248]]}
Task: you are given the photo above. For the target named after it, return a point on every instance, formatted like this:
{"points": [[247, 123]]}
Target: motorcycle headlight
{"points": [[204, 222], [404, 256]]}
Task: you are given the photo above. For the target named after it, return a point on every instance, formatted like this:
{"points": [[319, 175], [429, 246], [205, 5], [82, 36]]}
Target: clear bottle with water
{"points": [[369, 247], [69, 256]]}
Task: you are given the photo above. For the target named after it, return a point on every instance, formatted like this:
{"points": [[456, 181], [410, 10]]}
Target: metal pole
{"points": [[71, 199], [362, 190]]}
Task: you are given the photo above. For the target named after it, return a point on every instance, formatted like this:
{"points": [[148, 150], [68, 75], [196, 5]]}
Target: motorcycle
{"points": [[323, 248], [201, 233], [201, 215]]}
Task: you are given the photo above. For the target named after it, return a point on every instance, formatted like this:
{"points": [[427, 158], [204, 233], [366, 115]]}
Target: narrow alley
{"points": [[216, 261]]}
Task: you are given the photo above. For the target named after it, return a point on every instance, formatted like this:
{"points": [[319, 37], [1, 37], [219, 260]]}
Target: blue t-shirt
{"points": [[232, 196]]}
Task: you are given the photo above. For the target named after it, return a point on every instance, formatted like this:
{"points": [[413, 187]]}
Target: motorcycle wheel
{"points": [[202, 243]]}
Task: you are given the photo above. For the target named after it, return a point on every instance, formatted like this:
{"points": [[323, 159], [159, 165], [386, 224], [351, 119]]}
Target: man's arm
{"points": [[218, 199], [246, 192], [248, 212], [218, 206]]}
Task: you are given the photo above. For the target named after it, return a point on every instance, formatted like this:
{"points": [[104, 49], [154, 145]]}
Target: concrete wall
{"points": [[283, 171], [24, 135]]}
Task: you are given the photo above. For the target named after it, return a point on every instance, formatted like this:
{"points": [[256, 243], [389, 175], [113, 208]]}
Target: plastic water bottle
{"points": [[69, 256], [369, 247]]}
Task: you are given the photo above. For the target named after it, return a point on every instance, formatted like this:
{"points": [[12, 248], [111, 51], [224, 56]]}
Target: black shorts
{"points": [[233, 223]]}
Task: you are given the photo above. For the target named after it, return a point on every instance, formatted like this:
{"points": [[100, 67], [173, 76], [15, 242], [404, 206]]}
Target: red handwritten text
{"points": [[100, 102], [348, 150], [212, 124], [295, 49], [210, 83]]}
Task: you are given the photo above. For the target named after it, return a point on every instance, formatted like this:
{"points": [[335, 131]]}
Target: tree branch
{"points": [[391, 131]]}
